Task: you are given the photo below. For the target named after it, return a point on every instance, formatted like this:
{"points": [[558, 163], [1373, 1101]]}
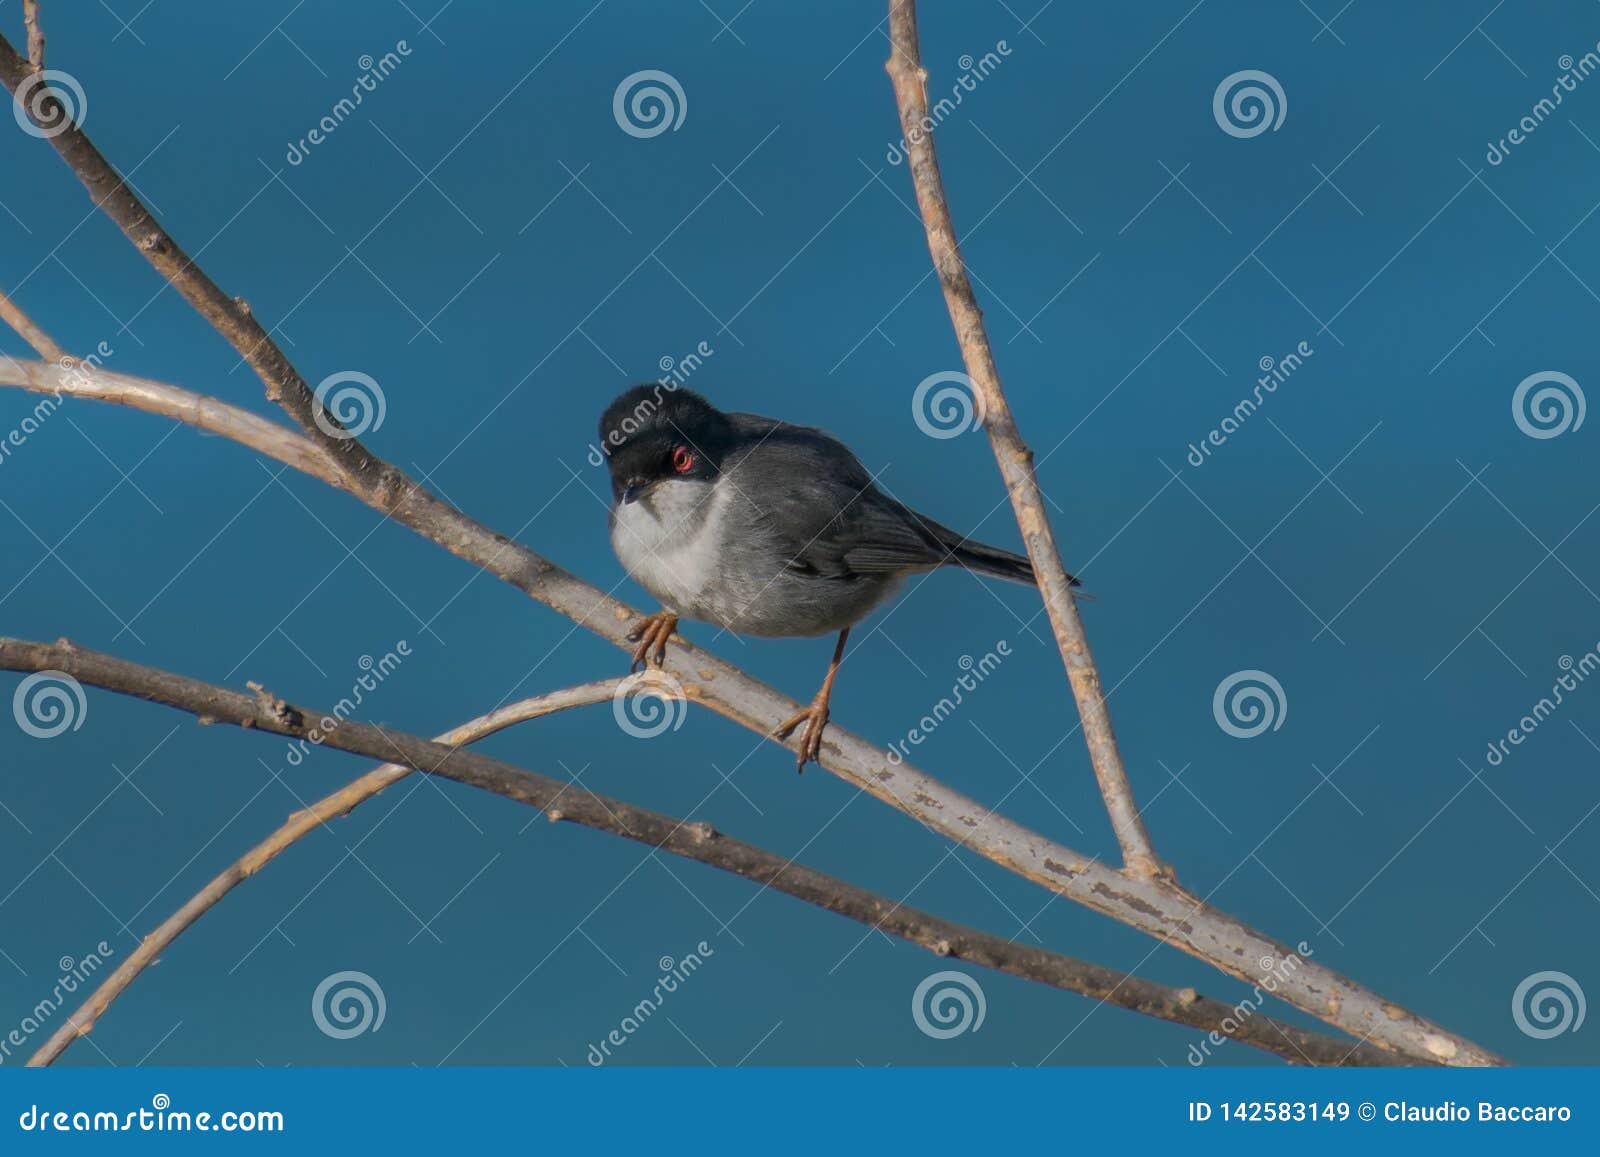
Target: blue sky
{"points": [[483, 239]]}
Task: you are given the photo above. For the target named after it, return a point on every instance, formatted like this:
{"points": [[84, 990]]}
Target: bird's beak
{"points": [[632, 491]]}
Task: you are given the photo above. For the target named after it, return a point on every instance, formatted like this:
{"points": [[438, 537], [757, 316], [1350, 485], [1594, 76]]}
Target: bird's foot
{"points": [[815, 717], [651, 634]]}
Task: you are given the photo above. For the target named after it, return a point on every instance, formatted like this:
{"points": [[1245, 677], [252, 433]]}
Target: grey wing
{"points": [[826, 516]]}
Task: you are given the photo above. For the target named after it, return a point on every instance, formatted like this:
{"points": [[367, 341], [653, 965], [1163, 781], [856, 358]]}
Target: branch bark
{"points": [[1147, 900], [229, 316], [299, 825], [30, 20], [11, 313], [1153, 906], [1015, 459], [696, 841]]}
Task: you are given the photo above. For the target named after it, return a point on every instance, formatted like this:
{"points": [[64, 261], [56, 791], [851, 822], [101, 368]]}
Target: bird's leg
{"points": [[652, 633], [815, 717]]}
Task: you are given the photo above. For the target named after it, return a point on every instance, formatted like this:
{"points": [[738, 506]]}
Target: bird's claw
{"points": [[651, 634], [815, 717]]}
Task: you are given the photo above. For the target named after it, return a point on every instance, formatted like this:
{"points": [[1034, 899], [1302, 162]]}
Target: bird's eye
{"points": [[682, 460]]}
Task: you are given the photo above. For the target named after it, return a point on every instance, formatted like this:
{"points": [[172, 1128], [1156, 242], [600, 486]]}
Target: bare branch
{"points": [[230, 316], [198, 410], [1144, 899], [1016, 460], [30, 19], [300, 824], [1153, 906], [694, 841], [11, 313]]}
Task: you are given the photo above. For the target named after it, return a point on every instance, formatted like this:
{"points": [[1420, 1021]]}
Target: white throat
{"points": [[669, 539]]}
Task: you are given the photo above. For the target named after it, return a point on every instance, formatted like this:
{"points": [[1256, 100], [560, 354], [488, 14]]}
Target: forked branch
{"points": [[578, 804], [1143, 898], [1015, 459]]}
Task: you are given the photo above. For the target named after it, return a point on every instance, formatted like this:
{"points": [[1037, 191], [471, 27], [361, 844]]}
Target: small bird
{"points": [[763, 528]]}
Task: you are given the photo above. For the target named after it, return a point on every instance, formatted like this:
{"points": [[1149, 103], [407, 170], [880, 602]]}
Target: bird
{"points": [[764, 528]]}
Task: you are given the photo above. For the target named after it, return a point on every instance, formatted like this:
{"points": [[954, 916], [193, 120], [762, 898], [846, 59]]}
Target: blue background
{"points": [[484, 240]]}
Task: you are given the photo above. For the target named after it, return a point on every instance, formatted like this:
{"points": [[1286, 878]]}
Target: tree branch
{"points": [[300, 824], [230, 316], [30, 20], [578, 804], [1015, 459], [1146, 901], [1153, 906], [204, 413], [11, 313]]}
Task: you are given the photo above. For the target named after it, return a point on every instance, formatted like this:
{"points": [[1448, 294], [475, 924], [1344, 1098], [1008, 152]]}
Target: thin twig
{"points": [[229, 316], [300, 824], [30, 19], [695, 841], [12, 314], [1016, 460]]}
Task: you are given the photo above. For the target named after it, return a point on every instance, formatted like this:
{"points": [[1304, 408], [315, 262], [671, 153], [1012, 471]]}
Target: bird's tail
{"points": [[989, 560], [993, 561]]}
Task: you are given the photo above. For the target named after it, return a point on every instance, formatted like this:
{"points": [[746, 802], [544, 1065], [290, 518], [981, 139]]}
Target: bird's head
{"points": [[654, 432]]}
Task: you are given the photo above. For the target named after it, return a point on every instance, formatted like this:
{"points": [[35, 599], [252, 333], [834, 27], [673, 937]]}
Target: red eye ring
{"points": [[682, 460]]}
